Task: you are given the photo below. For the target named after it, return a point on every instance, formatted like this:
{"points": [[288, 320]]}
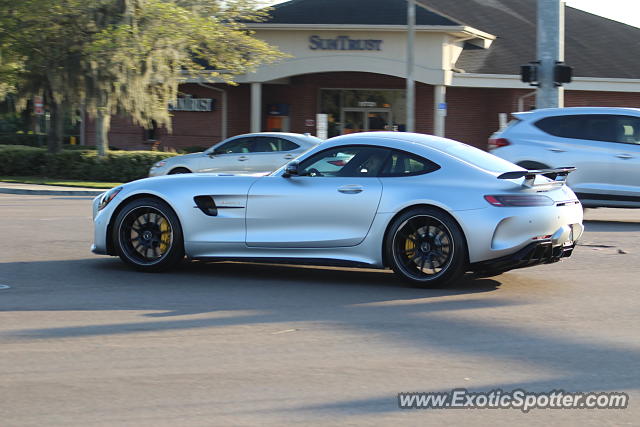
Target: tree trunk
{"points": [[103, 122], [55, 133]]}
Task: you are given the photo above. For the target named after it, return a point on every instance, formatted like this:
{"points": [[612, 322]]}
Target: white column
{"points": [[256, 107], [439, 109], [411, 20]]}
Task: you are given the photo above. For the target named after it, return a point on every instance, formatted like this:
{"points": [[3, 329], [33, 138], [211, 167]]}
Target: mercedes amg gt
{"points": [[429, 208]]}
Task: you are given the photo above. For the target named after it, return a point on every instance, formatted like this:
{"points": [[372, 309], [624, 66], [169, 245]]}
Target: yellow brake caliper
{"points": [[165, 236], [409, 247]]}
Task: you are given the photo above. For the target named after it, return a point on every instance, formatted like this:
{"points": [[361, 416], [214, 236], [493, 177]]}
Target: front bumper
{"points": [[536, 253]]}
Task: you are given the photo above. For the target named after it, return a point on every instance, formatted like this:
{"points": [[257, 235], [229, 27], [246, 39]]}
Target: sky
{"points": [[627, 11]]}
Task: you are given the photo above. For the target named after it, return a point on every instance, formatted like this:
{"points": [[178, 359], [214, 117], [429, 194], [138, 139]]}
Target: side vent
{"points": [[207, 205]]}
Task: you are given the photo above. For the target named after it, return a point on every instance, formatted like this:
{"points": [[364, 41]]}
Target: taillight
{"points": [[337, 162], [505, 200], [498, 142]]}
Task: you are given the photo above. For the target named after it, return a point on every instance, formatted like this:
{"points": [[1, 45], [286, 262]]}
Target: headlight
{"points": [[159, 164], [108, 197]]}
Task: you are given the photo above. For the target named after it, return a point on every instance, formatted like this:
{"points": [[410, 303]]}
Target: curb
{"points": [[51, 192]]}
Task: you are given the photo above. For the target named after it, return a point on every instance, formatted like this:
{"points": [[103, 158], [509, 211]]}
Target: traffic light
{"points": [[562, 73], [529, 73]]}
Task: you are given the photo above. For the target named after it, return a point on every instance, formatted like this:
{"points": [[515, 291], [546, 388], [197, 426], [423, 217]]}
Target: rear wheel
{"points": [[426, 247], [179, 170], [147, 235]]}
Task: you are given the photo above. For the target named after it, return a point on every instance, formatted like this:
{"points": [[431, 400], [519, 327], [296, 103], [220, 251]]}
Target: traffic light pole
{"points": [[550, 52]]}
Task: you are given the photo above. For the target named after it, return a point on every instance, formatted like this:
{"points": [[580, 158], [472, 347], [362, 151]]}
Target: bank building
{"points": [[348, 63]]}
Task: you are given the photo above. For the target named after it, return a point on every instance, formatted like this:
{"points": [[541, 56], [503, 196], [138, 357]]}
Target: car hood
{"points": [[185, 156]]}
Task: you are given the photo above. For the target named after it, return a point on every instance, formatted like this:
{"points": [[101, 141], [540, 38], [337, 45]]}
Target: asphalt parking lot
{"points": [[86, 341]]}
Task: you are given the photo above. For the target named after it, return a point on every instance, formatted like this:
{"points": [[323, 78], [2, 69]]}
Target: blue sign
{"points": [[344, 43], [278, 109], [442, 106]]}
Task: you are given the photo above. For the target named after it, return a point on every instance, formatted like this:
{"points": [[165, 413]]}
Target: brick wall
{"points": [[472, 114], [189, 128], [601, 99]]}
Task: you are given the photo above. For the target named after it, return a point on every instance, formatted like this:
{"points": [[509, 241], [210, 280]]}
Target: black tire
{"points": [[178, 170], [426, 237], [147, 235]]}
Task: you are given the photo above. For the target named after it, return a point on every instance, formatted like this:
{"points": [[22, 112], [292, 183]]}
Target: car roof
{"points": [[383, 138], [549, 112], [277, 134], [425, 145]]}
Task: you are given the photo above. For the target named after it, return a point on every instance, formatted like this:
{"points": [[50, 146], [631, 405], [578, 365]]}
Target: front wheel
{"points": [[426, 247], [147, 235]]}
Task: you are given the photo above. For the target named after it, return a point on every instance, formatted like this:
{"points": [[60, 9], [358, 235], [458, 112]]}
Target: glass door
{"points": [[353, 121], [378, 120], [365, 119]]}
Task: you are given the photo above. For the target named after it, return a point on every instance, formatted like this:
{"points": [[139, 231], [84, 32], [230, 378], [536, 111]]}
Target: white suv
{"points": [[602, 143]]}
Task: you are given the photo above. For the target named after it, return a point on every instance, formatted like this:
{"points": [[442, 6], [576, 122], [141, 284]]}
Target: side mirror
{"points": [[214, 153], [291, 169]]}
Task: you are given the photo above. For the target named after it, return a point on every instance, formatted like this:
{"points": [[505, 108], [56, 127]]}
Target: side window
{"points": [[596, 127], [400, 163], [355, 161], [563, 126], [285, 144], [268, 144], [600, 127], [264, 144], [627, 129], [240, 145]]}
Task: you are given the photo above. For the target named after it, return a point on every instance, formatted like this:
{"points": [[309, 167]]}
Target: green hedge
{"points": [[120, 166], [23, 139]]}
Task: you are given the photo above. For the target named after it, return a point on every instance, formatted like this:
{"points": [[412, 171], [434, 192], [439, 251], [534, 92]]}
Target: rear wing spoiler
{"points": [[558, 175]]}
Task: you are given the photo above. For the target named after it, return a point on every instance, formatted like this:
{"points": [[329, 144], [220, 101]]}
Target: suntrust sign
{"points": [[343, 43]]}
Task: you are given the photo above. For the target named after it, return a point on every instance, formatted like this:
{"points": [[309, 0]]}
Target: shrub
{"points": [[23, 139], [16, 160], [21, 160]]}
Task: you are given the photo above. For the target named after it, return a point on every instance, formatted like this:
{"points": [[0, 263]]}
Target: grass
{"points": [[59, 182]]}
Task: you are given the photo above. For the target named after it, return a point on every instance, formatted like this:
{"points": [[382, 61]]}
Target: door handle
{"points": [[624, 156], [288, 156], [351, 189], [242, 158], [556, 150]]}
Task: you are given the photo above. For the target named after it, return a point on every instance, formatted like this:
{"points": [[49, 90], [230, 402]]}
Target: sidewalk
{"points": [[47, 190]]}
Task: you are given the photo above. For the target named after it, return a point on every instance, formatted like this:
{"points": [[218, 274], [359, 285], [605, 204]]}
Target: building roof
{"points": [[594, 46], [354, 12]]}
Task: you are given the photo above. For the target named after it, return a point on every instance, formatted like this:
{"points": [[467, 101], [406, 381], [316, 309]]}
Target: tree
{"points": [[41, 43], [137, 63], [126, 56]]}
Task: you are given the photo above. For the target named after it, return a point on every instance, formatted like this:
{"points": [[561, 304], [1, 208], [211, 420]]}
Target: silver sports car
{"points": [[429, 208]]}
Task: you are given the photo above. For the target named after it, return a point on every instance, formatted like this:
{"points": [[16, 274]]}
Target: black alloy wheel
{"points": [[148, 236], [426, 247]]}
